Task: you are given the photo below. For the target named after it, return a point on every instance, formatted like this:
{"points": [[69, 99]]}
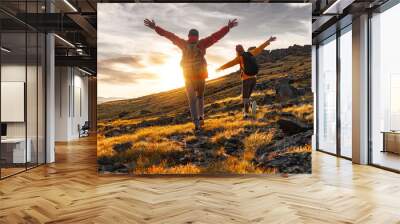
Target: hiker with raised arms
{"points": [[194, 64], [248, 73]]}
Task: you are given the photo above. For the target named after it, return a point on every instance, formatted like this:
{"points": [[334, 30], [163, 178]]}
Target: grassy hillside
{"points": [[154, 133]]}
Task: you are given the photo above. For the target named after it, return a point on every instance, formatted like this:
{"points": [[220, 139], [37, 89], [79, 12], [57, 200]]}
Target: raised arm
{"points": [[229, 64], [169, 35], [256, 51], [213, 38]]}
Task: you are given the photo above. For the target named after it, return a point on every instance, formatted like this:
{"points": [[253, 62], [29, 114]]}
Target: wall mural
{"points": [[204, 88]]}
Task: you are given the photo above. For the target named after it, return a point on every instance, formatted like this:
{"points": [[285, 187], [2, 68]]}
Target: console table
{"points": [[391, 141], [13, 150]]}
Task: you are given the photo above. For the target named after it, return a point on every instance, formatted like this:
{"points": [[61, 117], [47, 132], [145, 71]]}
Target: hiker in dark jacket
{"points": [[248, 72], [194, 64]]}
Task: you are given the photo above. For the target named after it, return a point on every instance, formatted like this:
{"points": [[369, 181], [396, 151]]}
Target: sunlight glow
{"points": [[169, 73]]}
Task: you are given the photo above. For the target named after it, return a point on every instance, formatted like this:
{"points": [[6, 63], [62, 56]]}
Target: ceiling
{"points": [[75, 22]]}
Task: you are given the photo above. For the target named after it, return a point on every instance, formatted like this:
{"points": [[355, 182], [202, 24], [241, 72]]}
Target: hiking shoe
{"points": [[197, 125], [253, 106], [198, 130], [245, 115], [201, 120]]}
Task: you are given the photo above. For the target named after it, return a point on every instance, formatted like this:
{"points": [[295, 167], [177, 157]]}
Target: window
{"points": [[327, 95], [385, 89], [22, 89], [346, 92]]}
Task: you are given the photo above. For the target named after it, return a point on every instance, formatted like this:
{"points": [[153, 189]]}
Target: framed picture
{"points": [[204, 88]]}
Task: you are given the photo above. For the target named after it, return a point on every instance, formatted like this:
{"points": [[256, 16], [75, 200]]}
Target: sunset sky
{"points": [[134, 60]]}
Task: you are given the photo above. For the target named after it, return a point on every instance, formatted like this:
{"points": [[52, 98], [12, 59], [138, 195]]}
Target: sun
{"points": [[170, 74]]}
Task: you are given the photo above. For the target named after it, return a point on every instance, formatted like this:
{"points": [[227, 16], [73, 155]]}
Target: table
{"points": [[391, 141], [13, 150]]}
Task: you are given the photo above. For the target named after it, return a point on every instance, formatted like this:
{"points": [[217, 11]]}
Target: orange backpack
{"points": [[193, 62]]}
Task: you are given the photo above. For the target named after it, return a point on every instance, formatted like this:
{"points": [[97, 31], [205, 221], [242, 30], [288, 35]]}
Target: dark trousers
{"points": [[248, 86]]}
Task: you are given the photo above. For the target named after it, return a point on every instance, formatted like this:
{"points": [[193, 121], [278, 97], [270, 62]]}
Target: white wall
{"points": [[71, 102], [33, 126], [16, 73], [80, 109], [62, 82]]}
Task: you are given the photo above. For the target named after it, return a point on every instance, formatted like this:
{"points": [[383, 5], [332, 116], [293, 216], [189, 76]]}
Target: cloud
{"points": [[157, 58], [217, 58], [129, 60], [118, 77], [123, 70]]}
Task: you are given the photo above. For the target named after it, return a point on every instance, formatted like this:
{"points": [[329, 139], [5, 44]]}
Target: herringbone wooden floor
{"points": [[70, 191]]}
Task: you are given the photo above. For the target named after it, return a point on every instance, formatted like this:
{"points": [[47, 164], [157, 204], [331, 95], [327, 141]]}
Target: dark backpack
{"points": [[250, 66]]}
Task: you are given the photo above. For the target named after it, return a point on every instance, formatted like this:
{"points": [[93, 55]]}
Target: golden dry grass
{"points": [[231, 122], [254, 142], [161, 169], [236, 166], [150, 135], [221, 137], [303, 112], [153, 148], [304, 148]]}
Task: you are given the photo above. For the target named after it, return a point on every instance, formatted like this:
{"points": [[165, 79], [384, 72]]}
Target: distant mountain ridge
{"points": [[277, 54], [108, 99]]}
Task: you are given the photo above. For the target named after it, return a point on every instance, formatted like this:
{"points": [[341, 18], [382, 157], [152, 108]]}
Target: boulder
{"points": [[114, 168], [234, 146], [284, 90], [178, 138], [264, 85], [143, 112], [300, 139], [290, 163], [215, 105], [122, 147], [106, 168], [107, 127], [201, 143], [300, 91], [122, 114], [130, 165], [105, 160], [271, 114], [267, 99], [113, 132], [291, 126]]}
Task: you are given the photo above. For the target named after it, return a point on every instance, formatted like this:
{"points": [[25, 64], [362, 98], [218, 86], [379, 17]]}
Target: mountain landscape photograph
{"points": [[145, 122]]}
